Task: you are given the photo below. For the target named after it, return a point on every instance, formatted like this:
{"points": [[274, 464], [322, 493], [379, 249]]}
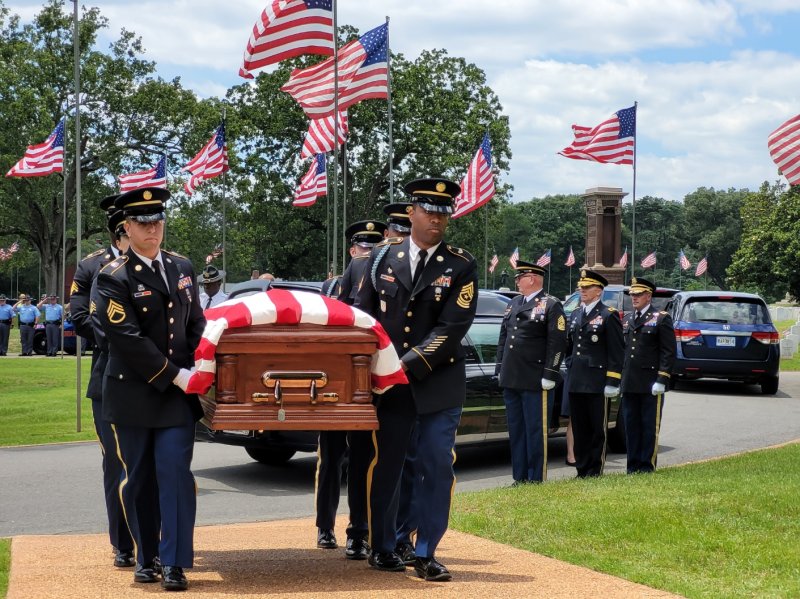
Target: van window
{"points": [[484, 337], [734, 311]]}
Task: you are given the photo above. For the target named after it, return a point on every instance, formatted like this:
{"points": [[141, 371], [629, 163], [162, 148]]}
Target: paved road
{"points": [[57, 489]]}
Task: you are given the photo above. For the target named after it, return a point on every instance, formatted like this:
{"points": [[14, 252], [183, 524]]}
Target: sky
{"points": [[712, 78]]}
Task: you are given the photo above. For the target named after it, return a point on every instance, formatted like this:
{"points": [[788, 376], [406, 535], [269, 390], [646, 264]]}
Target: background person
{"points": [[6, 319], [53, 314], [212, 287], [28, 318]]}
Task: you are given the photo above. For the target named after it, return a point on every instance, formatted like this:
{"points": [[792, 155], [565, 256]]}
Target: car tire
{"points": [[769, 385], [616, 436], [269, 456], [40, 343]]}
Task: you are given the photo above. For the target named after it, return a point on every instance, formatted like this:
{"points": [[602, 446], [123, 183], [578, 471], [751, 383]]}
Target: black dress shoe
{"points": [[124, 559], [326, 539], [173, 579], [568, 463], [388, 562], [430, 569], [145, 573], [356, 549], [406, 553]]}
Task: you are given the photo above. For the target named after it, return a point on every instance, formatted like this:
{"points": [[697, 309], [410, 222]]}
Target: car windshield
{"points": [[484, 337], [725, 311]]}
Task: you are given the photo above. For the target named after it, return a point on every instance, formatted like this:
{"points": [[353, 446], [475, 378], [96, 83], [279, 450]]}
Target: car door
{"points": [[480, 345]]}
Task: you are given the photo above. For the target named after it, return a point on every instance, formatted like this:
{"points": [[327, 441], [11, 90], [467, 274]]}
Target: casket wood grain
{"points": [[265, 373]]}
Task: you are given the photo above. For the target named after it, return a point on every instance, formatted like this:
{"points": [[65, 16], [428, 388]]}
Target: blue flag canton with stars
{"points": [[161, 168], [58, 140], [627, 122], [319, 4], [376, 45], [486, 148], [320, 164], [220, 139]]}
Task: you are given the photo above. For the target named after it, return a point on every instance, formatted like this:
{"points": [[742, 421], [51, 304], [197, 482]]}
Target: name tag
{"points": [[143, 294], [388, 278]]}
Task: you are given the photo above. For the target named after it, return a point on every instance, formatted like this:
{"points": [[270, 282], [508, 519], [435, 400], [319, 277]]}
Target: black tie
{"points": [[156, 265], [208, 304], [420, 267]]}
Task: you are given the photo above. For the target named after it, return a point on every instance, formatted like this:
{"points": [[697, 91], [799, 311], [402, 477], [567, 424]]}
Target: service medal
{"points": [[595, 338]]}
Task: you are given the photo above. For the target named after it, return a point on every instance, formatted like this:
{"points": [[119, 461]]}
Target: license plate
{"points": [[726, 341]]}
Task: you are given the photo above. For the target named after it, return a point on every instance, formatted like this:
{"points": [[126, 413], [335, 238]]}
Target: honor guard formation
{"points": [[142, 307]]}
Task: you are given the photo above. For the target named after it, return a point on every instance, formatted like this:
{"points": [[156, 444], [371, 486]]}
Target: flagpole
{"points": [[76, 52], [344, 197], [486, 249], [548, 274], [389, 99], [224, 201], [335, 268], [633, 224]]}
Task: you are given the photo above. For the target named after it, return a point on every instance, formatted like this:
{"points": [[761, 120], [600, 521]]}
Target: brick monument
{"points": [[604, 232]]}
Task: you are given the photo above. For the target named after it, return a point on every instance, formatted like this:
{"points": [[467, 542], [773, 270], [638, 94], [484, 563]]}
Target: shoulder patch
{"points": [[390, 241], [93, 254], [461, 253]]}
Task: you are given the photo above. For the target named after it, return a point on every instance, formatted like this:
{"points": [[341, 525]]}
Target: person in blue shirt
{"points": [[53, 314], [6, 317], [28, 318]]}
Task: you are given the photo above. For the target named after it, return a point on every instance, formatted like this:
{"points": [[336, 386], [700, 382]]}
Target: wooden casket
{"points": [[293, 377]]}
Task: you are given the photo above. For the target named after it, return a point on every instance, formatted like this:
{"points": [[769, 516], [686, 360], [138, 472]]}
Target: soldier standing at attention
{"points": [[424, 293], [363, 235], [595, 353], [532, 342], [6, 318], [28, 319], [649, 356], [53, 315], [147, 304]]}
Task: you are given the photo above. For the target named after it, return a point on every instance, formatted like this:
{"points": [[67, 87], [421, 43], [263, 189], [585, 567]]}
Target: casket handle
{"points": [[294, 379]]}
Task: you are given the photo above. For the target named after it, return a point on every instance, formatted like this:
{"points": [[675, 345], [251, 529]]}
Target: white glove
{"points": [[610, 391], [182, 378], [658, 388], [547, 384]]}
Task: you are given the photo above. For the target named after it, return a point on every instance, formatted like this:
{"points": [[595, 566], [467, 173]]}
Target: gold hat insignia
{"points": [[440, 186], [147, 195], [583, 273], [370, 227], [634, 281]]}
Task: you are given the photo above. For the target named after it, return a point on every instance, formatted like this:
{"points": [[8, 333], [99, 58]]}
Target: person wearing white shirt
{"points": [[212, 294]]}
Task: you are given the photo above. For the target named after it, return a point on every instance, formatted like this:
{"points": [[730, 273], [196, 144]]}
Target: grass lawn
{"points": [[38, 400], [727, 528], [5, 563]]}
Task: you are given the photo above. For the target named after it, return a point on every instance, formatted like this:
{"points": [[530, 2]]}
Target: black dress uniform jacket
{"points": [[152, 333], [81, 316], [595, 349], [427, 323], [532, 342], [352, 277], [649, 350]]}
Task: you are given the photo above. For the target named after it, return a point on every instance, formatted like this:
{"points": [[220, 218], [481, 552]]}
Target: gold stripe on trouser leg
{"points": [[316, 474], [653, 457], [369, 486], [121, 487], [605, 433], [544, 434], [453, 486]]}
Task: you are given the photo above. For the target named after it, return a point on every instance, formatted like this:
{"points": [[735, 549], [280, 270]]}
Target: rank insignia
{"points": [[92, 307], [116, 312], [73, 288], [465, 295], [185, 282], [561, 323]]}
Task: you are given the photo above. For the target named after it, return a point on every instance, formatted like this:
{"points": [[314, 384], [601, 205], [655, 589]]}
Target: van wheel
{"points": [[268, 456], [769, 385]]}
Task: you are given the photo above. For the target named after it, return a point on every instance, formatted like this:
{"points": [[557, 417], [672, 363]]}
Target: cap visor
{"points": [[149, 218], [440, 208]]}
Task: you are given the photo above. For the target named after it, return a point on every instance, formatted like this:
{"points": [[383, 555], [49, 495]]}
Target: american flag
{"points": [[362, 74], [314, 183], [623, 261], [784, 148], [154, 177], [514, 257], [493, 263], [702, 267], [215, 253], [571, 258], [685, 264], [44, 158], [210, 162], [477, 187], [544, 259], [649, 260], [319, 138], [7, 254], [612, 141], [288, 28]]}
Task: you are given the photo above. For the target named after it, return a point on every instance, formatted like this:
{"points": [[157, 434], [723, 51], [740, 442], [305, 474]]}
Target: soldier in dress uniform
{"points": [[529, 352], [595, 353], [147, 304], [363, 235], [649, 356], [426, 314], [6, 318], [397, 221], [53, 313], [81, 314], [212, 293]]}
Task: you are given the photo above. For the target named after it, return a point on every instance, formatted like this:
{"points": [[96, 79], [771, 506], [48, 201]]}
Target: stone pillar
{"points": [[604, 232]]}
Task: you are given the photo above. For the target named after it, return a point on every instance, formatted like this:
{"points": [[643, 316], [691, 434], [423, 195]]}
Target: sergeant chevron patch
{"points": [[465, 295], [116, 313]]}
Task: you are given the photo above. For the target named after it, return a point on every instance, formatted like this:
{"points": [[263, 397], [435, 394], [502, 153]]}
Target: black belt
{"points": [[52, 322], [5, 321], [26, 324]]}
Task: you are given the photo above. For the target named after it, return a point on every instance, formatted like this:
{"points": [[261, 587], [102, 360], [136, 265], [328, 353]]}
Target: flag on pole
{"points": [[784, 148], [210, 162], [215, 253], [477, 187], [154, 177], [289, 28], [571, 258], [319, 139], [544, 259], [685, 264], [612, 141], [649, 260], [314, 183], [493, 263], [623, 261], [363, 74], [702, 267], [6, 254], [44, 158], [514, 257]]}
